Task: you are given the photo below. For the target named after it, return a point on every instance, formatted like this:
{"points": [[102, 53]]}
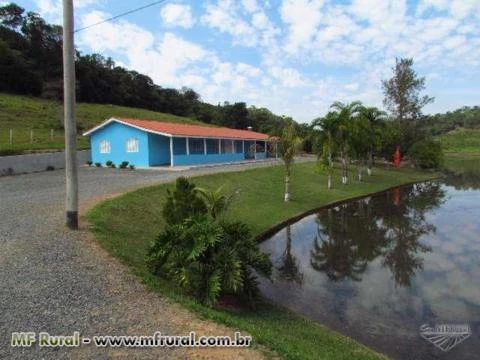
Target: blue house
{"points": [[152, 143]]}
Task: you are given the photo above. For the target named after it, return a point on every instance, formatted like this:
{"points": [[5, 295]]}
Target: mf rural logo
{"points": [[445, 336]]}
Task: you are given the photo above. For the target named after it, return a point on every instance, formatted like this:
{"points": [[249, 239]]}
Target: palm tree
{"points": [[328, 131], [376, 118], [289, 145], [346, 113]]}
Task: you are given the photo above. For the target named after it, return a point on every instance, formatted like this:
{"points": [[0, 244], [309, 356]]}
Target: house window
{"points": [[132, 145], [212, 146], [195, 146], [227, 146], [104, 147], [238, 146]]}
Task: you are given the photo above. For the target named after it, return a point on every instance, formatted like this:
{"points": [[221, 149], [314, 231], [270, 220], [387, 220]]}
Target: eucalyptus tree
{"points": [[346, 113], [289, 145]]}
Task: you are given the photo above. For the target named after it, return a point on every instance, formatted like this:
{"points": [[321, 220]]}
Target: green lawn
{"points": [[461, 142], [126, 225], [23, 114]]}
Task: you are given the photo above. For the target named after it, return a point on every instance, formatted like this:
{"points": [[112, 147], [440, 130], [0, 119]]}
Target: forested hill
{"points": [[31, 64], [465, 117]]}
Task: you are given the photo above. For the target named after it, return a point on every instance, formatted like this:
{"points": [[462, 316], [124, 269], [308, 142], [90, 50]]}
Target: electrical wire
{"points": [[120, 15]]}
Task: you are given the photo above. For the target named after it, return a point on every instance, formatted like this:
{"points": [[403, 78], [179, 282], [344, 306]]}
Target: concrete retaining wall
{"points": [[20, 164]]}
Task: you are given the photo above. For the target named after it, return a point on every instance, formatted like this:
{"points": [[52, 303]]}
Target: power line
{"points": [[120, 15]]}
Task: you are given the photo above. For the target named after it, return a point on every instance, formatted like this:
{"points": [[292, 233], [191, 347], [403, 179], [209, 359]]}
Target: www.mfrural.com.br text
{"points": [[46, 340]]}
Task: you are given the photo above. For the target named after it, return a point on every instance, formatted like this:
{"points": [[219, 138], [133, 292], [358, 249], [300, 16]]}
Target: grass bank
{"points": [[461, 143], [23, 114], [126, 225]]}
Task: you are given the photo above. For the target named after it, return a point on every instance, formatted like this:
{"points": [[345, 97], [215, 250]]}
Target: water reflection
{"points": [[463, 174], [287, 265], [378, 268], [352, 235]]}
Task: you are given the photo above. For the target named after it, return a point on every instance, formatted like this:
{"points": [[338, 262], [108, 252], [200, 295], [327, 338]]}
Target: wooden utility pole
{"points": [[71, 170]]}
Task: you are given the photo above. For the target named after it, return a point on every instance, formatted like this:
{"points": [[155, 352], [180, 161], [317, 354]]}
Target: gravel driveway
{"points": [[60, 281]]}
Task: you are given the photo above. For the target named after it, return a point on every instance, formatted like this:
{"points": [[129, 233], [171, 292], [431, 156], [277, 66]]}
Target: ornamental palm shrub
{"points": [[206, 256], [215, 201], [183, 202], [209, 258]]}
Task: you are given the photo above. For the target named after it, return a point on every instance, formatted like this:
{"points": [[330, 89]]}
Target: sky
{"points": [[294, 57]]}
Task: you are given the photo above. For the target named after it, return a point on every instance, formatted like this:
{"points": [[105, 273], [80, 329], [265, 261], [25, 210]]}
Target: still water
{"points": [[379, 268]]}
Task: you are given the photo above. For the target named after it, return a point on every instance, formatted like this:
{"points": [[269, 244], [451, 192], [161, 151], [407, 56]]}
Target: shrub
{"points": [[89, 163], [183, 202], [97, 164], [427, 154], [209, 258], [109, 163], [123, 165], [132, 167], [50, 168], [205, 256], [113, 166]]}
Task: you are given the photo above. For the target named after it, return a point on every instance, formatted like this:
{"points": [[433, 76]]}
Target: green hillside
{"points": [[23, 114], [461, 141]]}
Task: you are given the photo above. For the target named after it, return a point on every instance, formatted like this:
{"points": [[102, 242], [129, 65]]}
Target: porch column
{"points": [[243, 147], [204, 146], [188, 145], [233, 147], [219, 146], [255, 149], [266, 152], [171, 150]]}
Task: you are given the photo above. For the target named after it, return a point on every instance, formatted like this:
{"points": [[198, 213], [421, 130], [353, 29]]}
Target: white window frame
{"points": [[105, 147], [132, 145]]}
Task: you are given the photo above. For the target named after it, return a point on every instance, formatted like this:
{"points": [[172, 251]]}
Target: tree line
{"points": [[31, 64], [355, 133]]}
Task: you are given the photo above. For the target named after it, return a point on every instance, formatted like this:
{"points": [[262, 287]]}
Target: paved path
{"points": [[61, 281]]}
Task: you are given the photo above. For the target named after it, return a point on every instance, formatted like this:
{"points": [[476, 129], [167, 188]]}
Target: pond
{"points": [[378, 268]]}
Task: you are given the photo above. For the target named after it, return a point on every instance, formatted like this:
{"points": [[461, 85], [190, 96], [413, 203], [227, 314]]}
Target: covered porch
{"points": [[198, 150]]}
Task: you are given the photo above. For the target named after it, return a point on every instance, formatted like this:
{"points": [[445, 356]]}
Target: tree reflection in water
{"points": [[288, 268], [351, 235]]}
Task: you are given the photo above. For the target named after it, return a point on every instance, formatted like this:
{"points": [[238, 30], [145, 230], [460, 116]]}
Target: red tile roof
{"points": [[176, 129]]}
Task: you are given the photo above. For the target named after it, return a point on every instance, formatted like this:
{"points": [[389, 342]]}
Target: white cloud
{"points": [[53, 9], [352, 86], [302, 18], [177, 15], [111, 36], [288, 77], [250, 5], [224, 17]]}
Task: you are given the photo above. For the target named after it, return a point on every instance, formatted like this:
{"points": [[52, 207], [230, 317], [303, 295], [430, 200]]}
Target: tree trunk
{"points": [[344, 171], [329, 181], [370, 163], [360, 172], [287, 188]]}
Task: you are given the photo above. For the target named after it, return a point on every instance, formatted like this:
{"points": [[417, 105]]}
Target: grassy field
{"points": [[126, 225], [23, 114], [461, 142]]}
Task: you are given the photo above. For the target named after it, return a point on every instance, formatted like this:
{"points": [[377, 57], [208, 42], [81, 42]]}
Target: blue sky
{"points": [[293, 56]]}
